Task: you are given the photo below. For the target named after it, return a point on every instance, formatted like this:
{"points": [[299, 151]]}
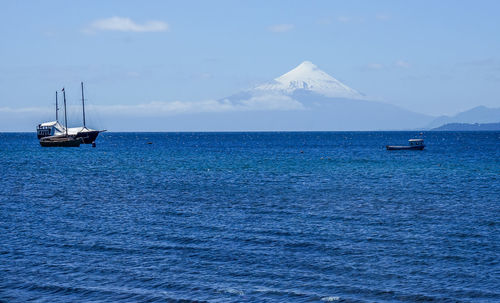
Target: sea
{"points": [[251, 217]]}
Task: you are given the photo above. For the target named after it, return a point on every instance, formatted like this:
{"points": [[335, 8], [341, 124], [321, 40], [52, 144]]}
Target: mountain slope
{"points": [[307, 98], [307, 76], [479, 114]]}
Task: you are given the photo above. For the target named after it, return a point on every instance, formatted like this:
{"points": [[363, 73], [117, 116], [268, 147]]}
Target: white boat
{"points": [[413, 144]]}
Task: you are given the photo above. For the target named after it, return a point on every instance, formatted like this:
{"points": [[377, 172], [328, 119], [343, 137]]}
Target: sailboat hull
{"points": [[88, 137], [63, 141]]}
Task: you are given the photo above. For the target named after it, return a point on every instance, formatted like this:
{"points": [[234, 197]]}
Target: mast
{"points": [[65, 116], [83, 107], [57, 108]]}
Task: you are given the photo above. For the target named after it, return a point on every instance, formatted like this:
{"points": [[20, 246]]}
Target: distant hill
{"points": [[479, 114], [469, 127]]}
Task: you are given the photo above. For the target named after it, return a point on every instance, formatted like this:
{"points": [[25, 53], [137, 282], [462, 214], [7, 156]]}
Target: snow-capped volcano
{"points": [[307, 98], [308, 77]]}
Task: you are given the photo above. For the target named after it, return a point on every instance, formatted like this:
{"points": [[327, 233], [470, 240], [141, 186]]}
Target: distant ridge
{"points": [[469, 127], [478, 114]]}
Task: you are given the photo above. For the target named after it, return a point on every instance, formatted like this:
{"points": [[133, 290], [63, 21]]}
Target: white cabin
{"points": [[416, 142], [53, 128]]}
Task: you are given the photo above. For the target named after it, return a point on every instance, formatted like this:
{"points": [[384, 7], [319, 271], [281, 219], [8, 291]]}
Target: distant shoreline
{"points": [[468, 127]]}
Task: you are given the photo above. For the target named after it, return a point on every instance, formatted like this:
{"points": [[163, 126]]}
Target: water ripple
{"points": [[251, 217]]}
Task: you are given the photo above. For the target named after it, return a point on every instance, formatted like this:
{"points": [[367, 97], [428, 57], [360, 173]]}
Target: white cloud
{"points": [[267, 102], [132, 74], [201, 76], [344, 19], [49, 34], [125, 25], [324, 21], [375, 66], [281, 28], [402, 64], [158, 108], [161, 108], [41, 110], [382, 17]]}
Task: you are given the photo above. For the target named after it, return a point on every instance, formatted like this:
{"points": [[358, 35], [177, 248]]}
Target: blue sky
{"points": [[433, 57]]}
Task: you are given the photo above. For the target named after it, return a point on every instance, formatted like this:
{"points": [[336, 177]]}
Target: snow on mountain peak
{"points": [[307, 76]]}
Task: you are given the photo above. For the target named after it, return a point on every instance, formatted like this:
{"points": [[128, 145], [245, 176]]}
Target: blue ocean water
{"points": [[251, 217]]}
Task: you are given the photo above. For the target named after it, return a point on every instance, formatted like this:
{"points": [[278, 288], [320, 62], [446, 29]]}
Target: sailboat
{"points": [[60, 140], [54, 128]]}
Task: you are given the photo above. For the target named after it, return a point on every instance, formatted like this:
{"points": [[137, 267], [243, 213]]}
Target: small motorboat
{"points": [[414, 144], [61, 141]]}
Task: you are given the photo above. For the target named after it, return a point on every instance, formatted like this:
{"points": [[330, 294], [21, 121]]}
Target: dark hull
{"points": [[395, 147], [88, 137], [61, 142]]}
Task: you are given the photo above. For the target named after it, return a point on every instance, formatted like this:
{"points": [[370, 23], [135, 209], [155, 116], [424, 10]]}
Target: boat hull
{"points": [[395, 147], [60, 142], [88, 137]]}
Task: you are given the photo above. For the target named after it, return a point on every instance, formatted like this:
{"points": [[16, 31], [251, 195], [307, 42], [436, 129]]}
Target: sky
{"points": [[431, 57]]}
